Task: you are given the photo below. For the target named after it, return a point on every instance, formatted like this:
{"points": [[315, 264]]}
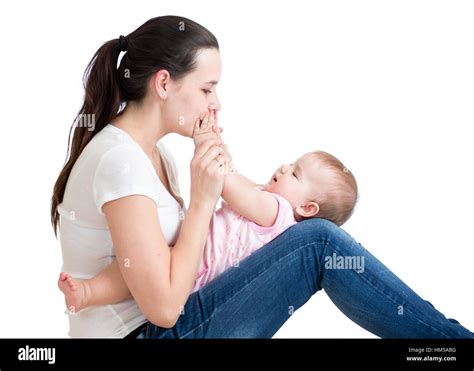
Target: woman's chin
{"points": [[185, 132]]}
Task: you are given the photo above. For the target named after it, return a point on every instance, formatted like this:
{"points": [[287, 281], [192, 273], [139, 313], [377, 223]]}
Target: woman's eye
{"points": [[207, 91]]}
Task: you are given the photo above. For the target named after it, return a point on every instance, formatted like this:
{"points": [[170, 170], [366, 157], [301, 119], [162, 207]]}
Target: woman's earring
{"points": [[163, 95]]}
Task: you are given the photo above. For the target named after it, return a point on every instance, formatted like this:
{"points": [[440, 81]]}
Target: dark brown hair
{"points": [[168, 42]]}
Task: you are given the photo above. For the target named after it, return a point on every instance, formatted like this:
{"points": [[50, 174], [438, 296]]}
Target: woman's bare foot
{"points": [[74, 292]]}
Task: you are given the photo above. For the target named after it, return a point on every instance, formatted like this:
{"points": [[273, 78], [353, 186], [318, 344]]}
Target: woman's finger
{"points": [[222, 159], [211, 155], [226, 151], [202, 148], [214, 167]]}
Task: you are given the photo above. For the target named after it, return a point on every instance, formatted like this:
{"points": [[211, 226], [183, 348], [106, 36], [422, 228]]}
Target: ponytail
{"points": [[101, 105]]}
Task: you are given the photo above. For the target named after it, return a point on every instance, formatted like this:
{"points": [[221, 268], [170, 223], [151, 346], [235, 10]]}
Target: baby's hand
{"points": [[209, 128], [205, 129]]}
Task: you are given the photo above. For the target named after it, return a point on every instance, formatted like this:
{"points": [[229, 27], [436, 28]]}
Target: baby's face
{"points": [[296, 182]]}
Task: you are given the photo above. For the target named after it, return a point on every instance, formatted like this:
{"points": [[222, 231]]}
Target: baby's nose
{"points": [[284, 169]]}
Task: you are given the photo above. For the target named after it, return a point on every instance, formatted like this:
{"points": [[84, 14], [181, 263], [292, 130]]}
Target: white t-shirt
{"points": [[111, 166]]}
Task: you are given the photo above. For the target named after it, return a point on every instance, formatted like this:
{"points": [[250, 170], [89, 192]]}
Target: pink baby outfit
{"points": [[233, 237]]}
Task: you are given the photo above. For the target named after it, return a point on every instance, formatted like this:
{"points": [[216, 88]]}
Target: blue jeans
{"points": [[255, 299]]}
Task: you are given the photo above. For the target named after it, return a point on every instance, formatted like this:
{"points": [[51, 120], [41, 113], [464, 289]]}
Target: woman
{"points": [[117, 198]]}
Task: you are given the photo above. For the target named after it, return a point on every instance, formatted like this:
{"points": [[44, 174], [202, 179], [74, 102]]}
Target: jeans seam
{"points": [[244, 287]]}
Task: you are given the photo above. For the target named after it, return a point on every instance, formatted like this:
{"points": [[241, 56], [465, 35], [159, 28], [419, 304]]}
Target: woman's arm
{"points": [[161, 279], [107, 287]]}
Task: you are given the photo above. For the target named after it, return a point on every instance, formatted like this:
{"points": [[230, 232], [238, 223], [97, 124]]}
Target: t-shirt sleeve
{"points": [[284, 219], [123, 171]]}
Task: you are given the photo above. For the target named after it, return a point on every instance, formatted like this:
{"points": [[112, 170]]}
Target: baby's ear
{"points": [[308, 210]]}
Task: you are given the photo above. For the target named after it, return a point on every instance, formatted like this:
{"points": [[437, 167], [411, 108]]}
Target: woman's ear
{"points": [[307, 210], [161, 81]]}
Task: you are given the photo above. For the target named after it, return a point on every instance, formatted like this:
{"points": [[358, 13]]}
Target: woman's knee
{"points": [[320, 233], [317, 228]]}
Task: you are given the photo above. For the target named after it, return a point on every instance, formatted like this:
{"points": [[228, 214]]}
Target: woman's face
{"points": [[195, 94]]}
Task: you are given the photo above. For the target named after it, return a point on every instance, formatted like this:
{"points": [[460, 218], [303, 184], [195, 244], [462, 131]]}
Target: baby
{"points": [[317, 185]]}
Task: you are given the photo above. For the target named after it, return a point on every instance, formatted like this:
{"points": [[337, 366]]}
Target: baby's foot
{"points": [[205, 128], [74, 292]]}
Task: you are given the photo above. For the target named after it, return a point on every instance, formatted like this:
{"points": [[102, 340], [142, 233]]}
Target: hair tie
{"points": [[123, 43]]}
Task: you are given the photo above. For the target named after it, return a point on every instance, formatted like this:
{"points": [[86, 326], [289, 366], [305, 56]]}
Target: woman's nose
{"points": [[215, 105]]}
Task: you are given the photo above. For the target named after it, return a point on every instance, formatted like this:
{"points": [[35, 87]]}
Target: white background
{"points": [[386, 86]]}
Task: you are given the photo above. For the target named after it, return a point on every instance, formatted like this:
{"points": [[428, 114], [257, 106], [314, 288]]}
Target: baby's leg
{"points": [[108, 287]]}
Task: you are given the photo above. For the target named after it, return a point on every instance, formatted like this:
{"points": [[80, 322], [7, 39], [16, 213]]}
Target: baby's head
{"points": [[317, 185]]}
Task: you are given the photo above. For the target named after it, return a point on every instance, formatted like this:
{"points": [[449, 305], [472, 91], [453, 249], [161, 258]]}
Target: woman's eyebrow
{"points": [[212, 82]]}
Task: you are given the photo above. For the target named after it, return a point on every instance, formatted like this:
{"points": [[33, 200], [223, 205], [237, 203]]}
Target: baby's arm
{"points": [[245, 199], [239, 192], [108, 287]]}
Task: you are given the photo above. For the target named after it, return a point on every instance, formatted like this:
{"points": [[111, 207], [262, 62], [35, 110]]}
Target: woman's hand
{"points": [[209, 167]]}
